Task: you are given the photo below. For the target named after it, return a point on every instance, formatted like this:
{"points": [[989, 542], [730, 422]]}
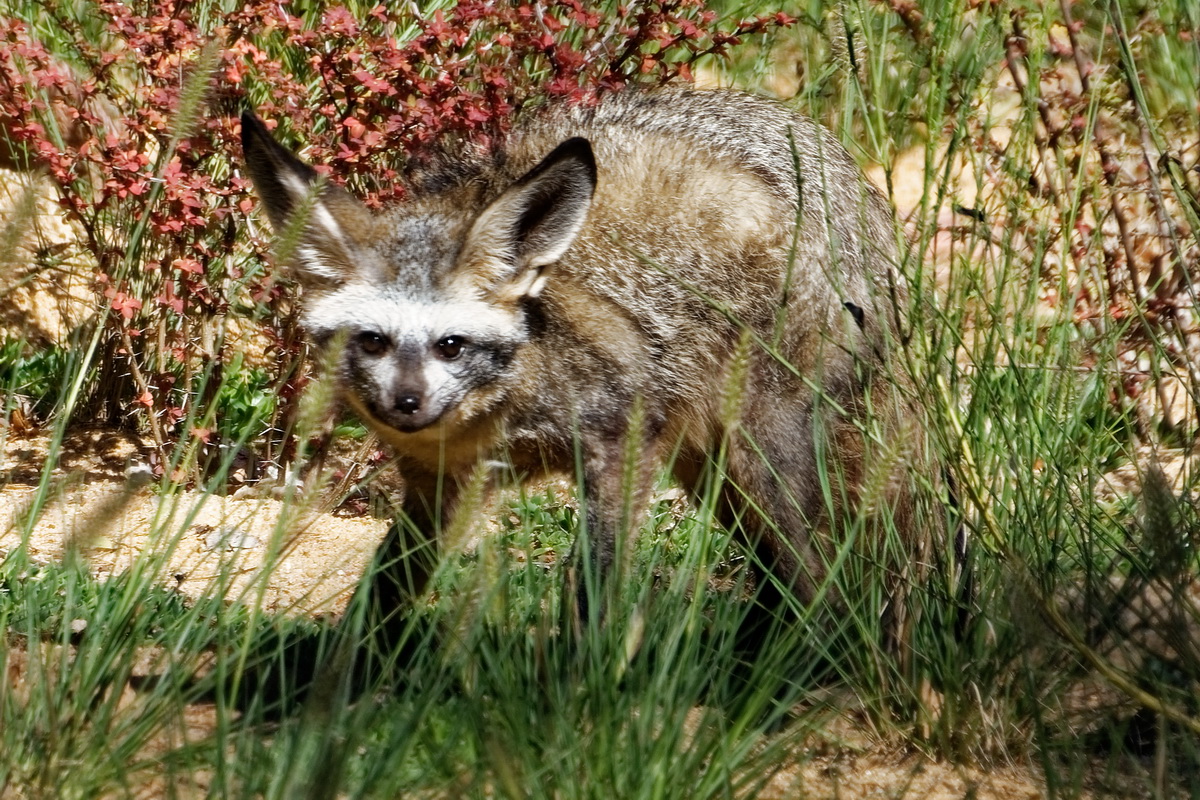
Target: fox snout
{"points": [[410, 407], [394, 384], [408, 415], [406, 407]]}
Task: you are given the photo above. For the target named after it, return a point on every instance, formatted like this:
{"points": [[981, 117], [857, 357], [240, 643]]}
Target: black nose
{"points": [[408, 404]]}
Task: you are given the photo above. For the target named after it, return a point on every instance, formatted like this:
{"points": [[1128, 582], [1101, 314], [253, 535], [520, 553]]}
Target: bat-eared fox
{"points": [[665, 274]]}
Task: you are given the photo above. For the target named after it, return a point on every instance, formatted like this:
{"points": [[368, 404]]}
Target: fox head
{"points": [[427, 303]]}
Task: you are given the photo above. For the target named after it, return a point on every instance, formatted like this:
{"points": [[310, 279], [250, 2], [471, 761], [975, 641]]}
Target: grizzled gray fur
{"points": [[655, 252]]}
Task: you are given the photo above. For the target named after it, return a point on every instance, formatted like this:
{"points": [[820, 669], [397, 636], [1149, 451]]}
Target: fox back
{"points": [[660, 251]]}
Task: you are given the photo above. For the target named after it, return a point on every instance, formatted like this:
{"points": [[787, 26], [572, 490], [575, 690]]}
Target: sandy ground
{"points": [[314, 559]]}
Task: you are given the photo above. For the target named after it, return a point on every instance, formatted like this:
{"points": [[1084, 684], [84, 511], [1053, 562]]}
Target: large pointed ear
{"points": [[531, 225], [318, 224]]}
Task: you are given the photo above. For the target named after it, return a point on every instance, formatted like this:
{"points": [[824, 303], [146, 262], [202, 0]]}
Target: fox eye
{"points": [[372, 343], [450, 347]]}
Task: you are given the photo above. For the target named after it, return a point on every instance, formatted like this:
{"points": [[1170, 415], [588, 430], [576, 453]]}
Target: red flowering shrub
{"points": [[131, 109]]}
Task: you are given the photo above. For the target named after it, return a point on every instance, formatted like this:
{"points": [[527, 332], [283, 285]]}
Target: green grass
{"points": [[1030, 404]]}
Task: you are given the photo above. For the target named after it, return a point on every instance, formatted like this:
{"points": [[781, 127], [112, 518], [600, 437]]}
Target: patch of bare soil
{"points": [[849, 765], [286, 557], [883, 771]]}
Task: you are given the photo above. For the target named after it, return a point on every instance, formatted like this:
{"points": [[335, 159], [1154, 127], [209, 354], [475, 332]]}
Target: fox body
{"points": [[674, 252]]}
